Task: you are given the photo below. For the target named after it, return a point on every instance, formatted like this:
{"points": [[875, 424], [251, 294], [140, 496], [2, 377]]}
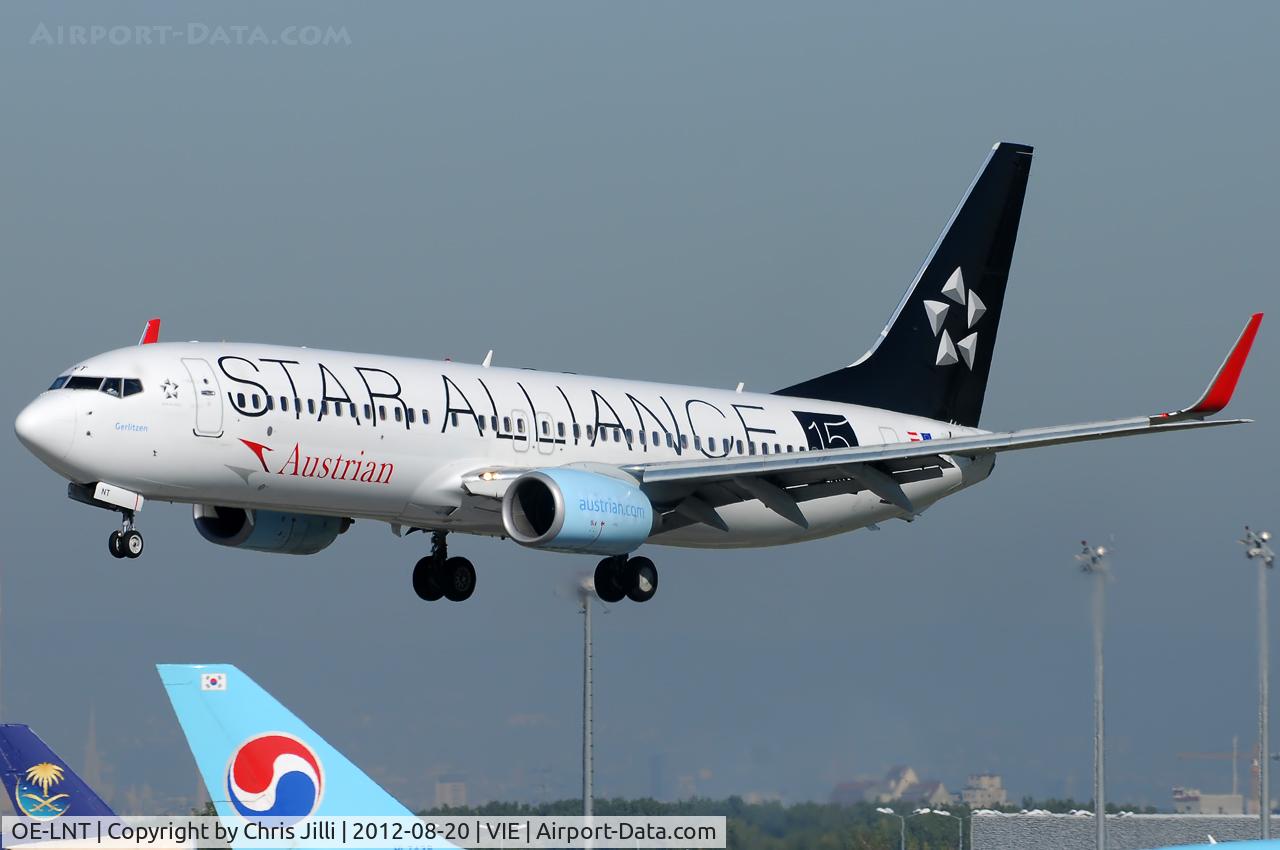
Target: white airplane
{"points": [[280, 448]]}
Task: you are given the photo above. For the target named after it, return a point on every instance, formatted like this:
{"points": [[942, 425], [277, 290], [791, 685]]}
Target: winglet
{"points": [[151, 333], [1218, 394]]}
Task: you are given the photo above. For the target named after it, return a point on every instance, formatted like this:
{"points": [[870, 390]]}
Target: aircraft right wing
{"points": [[692, 489]]}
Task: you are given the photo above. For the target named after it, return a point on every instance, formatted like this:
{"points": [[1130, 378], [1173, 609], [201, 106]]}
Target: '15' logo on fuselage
{"points": [[826, 430], [300, 464]]}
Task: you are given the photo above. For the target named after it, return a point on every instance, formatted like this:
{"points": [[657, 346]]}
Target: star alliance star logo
{"points": [[950, 353], [170, 388]]}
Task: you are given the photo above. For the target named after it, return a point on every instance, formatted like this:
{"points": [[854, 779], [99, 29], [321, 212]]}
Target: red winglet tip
{"points": [[1219, 393], [151, 333]]}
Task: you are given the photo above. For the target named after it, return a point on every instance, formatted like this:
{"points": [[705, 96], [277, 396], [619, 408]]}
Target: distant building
{"points": [[900, 784], [930, 792], [854, 792], [984, 791], [897, 781], [1190, 801], [451, 790]]}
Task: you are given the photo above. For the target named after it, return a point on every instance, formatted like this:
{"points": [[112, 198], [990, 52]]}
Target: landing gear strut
{"points": [[437, 575], [618, 576], [127, 542]]}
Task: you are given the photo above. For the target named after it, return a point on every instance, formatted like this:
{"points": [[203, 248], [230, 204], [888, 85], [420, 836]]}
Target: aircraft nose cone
{"points": [[46, 427]]}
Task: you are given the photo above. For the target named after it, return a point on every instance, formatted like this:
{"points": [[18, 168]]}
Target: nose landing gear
{"points": [[618, 576], [127, 542], [438, 576]]}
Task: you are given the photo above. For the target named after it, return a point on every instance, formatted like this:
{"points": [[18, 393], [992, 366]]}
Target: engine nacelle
{"points": [[572, 510], [268, 531]]}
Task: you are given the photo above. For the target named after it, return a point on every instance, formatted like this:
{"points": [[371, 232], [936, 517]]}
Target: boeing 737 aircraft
{"points": [[280, 449]]}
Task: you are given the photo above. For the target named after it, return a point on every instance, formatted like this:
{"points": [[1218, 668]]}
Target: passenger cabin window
{"points": [[711, 444], [684, 441], [271, 402], [577, 431], [397, 414], [426, 416], [337, 409], [739, 447], [697, 442], [560, 430], [453, 419], [368, 412], [493, 423], [351, 408], [239, 399], [408, 415], [590, 433], [382, 413], [311, 406]]}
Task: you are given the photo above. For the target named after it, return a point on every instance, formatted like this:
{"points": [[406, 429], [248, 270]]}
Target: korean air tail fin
{"points": [[258, 760], [933, 357], [39, 783]]}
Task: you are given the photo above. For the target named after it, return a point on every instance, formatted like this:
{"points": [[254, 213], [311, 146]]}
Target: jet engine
{"points": [[573, 510], [268, 531]]}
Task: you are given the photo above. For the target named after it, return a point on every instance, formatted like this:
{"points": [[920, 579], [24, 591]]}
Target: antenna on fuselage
{"points": [[488, 359], [741, 384]]}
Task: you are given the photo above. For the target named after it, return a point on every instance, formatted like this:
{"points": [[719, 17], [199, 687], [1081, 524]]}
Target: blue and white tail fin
{"points": [[258, 760], [41, 785]]}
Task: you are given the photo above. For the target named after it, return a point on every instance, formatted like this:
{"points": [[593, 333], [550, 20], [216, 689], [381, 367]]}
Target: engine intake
{"points": [[268, 531], [572, 510]]}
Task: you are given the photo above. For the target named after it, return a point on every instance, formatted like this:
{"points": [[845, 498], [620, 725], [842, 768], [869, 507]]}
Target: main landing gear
{"points": [[127, 542], [438, 575], [618, 576]]}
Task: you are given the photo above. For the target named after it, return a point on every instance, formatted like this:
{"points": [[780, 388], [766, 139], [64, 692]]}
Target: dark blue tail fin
{"points": [[39, 784], [933, 357]]}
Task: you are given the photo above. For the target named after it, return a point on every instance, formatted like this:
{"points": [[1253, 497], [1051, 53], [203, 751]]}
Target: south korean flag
{"points": [[213, 681]]}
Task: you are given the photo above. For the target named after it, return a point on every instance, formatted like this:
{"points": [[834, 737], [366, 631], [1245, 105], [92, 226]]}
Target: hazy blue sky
{"points": [[706, 192]]}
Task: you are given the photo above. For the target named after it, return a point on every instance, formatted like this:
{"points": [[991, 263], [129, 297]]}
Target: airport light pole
{"points": [[960, 819], [1256, 549], [902, 822], [587, 768], [1093, 560]]}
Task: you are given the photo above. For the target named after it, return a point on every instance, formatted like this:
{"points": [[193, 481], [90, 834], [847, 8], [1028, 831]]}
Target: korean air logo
{"points": [[275, 776]]}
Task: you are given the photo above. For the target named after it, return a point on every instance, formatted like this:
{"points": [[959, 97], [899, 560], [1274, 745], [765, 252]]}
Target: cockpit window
{"points": [[115, 387]]}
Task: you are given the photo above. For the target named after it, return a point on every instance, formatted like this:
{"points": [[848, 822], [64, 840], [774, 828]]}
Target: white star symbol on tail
{"points": [[950, 352]]}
